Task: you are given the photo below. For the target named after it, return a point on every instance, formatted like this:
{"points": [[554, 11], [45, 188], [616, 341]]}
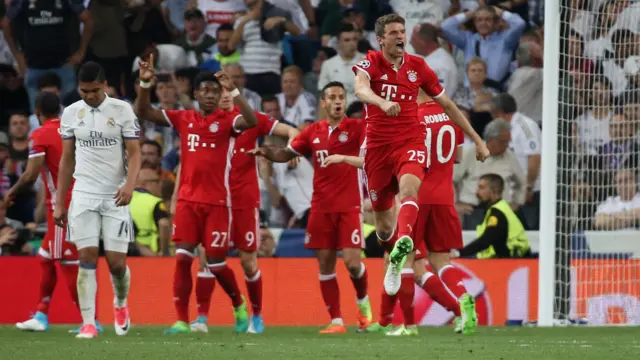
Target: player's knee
{"points": [[249, 265], [118, 268], [438, 260], [354, 268]]}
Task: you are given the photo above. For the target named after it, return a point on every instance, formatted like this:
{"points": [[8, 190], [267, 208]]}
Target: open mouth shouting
{"points": [[400, 45]]}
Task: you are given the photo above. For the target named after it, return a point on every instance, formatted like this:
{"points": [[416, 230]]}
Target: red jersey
{"points": [[335, 188], [245, 193], [46, 141], [206, 147], [401, 86], [443, 138]]}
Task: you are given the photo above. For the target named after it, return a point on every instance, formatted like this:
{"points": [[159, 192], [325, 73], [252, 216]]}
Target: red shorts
{"points": [[335, 231], [385, 165], [438, 228], [55, 243], [244, 229], [197, 223]]}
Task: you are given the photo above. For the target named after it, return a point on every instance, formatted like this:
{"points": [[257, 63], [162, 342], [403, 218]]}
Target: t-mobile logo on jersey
{"points": [[389, 91], [321, 155], [193, 140]]}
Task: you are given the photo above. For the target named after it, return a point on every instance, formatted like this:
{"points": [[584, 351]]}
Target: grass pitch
{"points": [[301, 343]]}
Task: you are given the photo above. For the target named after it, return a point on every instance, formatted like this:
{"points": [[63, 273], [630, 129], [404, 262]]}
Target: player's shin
{"points": [[432, 285], [87, 288], [121, 281], [70, 273], [406, 295], [205, 284], [453, 278], [407, 216], [48, 282], [387, 305], [227, 280], [331, 296], [182, 284], [253, 280]]}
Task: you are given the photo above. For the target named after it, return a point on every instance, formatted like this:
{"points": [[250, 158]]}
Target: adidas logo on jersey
{"points": [[190, 125], [68, 252], [316, 141], [384, 77]]}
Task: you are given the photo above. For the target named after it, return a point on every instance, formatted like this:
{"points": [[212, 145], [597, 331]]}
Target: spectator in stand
{"points": [[474, 98], [623, 151], [240, 80], [196, 43], [223, 54], [49, 82], [628, 16], [293, 185], [502, 161], [526, 140], [298, 106], [416, 12], [13, 236], [579, 18], [334, 15], [525, 84], [582, 204], [354, 110], [494, 46], [219, 12], [151, 219], [339, 68], [625, 44], [168, 58], [271, 106], [13, 95], [172, 94], [366, 40], [621, 211], [24, 205], [311, 78], [599, 44], [260, 58], [424, 40], [592, 127], [44, 32], [152, 159], [173, 11], [5, 182]]}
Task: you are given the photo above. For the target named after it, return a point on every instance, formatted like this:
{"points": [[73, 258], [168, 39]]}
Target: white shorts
{"points": [[91, 218]]}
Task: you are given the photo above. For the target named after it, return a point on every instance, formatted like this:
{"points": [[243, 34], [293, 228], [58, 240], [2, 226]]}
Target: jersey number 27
{"points": [[442, 158]]}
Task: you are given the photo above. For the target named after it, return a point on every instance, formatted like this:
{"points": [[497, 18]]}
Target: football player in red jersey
{"points": [[335, 220], [203, 212], [387, 82], [437, 229], [245, 205], [45, 150]]}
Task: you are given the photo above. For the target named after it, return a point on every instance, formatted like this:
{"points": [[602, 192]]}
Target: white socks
{"points": [[121, 289], [87, 288]]}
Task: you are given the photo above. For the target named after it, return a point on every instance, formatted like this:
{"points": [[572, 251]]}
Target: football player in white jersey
{"points": [[96, 131]]}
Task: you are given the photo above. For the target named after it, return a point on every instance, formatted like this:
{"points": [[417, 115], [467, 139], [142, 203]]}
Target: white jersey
{"points": [[99, 133]]}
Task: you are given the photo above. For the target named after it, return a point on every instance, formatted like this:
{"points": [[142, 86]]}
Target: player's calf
{"points": [[359, 278], [121, 281], [227, 279]]}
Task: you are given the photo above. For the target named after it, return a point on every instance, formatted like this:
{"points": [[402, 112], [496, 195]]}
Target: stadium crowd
{"points": [[488, 55]]}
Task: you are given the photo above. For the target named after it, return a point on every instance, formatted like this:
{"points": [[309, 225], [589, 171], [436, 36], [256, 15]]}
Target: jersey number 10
{"points": [[442, 158]]}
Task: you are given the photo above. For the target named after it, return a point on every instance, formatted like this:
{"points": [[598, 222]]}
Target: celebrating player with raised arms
{"points": [[387, 82], [245, 200], [203, 213], [335, 221], [96, 131]]}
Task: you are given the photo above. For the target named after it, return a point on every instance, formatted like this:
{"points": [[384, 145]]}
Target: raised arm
{"points": [[275, 154], [458, 118], [142, 106], [363, 90], [516, 27], [451, 29], [334, 159], [284, 130], [248, 118]]}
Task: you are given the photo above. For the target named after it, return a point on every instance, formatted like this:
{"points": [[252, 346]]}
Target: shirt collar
{"points": [[141, 190], [102, 106], [198, 41]]}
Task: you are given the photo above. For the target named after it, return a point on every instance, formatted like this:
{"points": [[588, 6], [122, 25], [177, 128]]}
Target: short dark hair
{"points": [[496, 182], [268, 98], [48, 104], [329, 51], [428, 32], [355, 107], [385, 20], [505, 103], [332, 84], [205, 76], [622, 36], [154, 144], [193, 14], [91, 72], [224, 27], [345, 28], [49, 79]]}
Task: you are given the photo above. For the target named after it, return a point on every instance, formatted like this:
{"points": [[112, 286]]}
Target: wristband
{"points": [[145, 84], [235, 92]]}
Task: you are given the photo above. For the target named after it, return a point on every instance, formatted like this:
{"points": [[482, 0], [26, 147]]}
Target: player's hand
{"points": [[76, 58], [147, 72], [225, 80], [272, 22], [123, 196], [293, 163], [8, 235], [9, 197], [391, 108], [333, 159], [482, 151], [60, 215], [259, 151]]}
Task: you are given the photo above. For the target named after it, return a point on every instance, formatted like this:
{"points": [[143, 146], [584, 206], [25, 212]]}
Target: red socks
{"points": [[182, 284], [205, 283], [48, 281], [407, 216], [227, 280], [436, 290], [405, 296], [453, 279], [70, 273], [331, 295], [386, 308], [360, 283], [254, 289]]}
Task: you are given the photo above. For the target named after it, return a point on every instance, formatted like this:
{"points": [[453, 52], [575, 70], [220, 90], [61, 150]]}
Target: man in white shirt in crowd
{"points": [[297, 105], [237, 75], [218, 12], [169, 58], [338, 68], [424, 40], [622, 211]]}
